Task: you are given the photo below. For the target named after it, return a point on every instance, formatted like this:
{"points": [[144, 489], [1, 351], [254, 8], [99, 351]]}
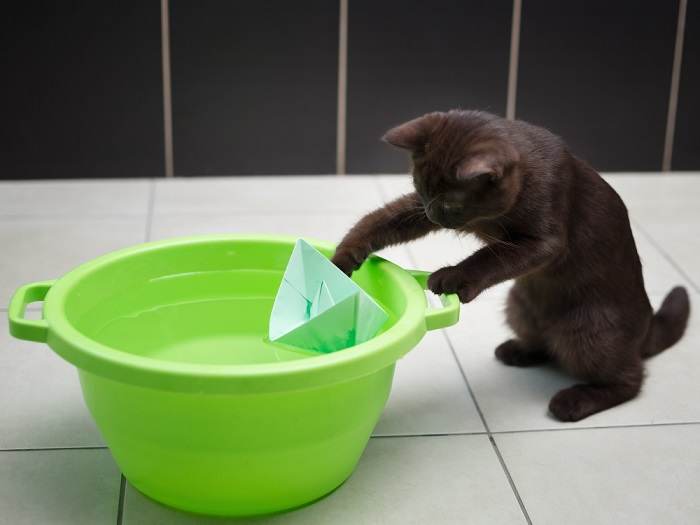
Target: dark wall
{"points": [[410, 58], [598, 73], [686, 150], [255, 84], [81, 90]]}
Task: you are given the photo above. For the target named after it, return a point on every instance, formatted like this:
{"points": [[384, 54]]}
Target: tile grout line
{"points": [[494, 445], [54, 449], [466, 381], [675, 86], [433, 434], [418, 435], [341, 122], [535, 430], [666, 256], [597, 427], [504, 467], [122, 493], [511, 482]]}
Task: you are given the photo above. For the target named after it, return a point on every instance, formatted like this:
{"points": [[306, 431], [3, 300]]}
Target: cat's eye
{"points": [[489, 176]]}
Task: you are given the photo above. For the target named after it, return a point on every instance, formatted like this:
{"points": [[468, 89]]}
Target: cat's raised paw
{"points": [[451, 279], [346, 261]]}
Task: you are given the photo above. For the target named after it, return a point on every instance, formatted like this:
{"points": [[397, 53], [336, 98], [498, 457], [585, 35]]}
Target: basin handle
{"points": [[28, 329], [438, 317]]}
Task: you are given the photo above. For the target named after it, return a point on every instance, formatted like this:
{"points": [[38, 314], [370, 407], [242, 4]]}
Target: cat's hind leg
{"points": [[608, 359], [580, 401], [528, 349], [514, 352]]}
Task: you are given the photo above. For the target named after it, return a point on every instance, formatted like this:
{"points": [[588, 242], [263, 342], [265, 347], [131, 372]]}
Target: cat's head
{"points": [[464, 168]]}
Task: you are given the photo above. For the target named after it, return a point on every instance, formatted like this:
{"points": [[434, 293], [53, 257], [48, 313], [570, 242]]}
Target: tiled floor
{"points": [[463, 439]]}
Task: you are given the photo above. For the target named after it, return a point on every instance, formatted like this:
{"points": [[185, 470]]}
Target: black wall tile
{"points": [[598, 73], [81, 94], [254, 86], [406, 58], [686, 150]]}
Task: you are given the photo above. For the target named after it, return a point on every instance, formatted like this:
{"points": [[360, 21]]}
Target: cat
{"points": [[550, 222]]}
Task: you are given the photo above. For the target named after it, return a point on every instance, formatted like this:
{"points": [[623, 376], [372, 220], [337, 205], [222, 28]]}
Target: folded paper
{"points": [[320, 308]]}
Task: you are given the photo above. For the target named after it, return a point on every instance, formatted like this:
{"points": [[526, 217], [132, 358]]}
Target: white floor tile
{"points": [[268, 195], [658, 196], [643, 476], [393, 186], [414, 480], [429, 395], [659, 274], [328, 227], [58, 487], [576, 475], [513, 398], [41, 405], [680, 240], [43, 249], [76, 198]]}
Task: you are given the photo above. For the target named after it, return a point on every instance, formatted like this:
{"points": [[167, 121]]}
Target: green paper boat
{"points": [[320, 308]]}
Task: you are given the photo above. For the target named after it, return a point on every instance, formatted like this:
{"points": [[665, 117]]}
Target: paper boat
{"points": [[320, 308]]}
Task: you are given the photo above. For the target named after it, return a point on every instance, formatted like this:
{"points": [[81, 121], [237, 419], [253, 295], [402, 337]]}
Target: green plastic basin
{"points": [[200, 411]]}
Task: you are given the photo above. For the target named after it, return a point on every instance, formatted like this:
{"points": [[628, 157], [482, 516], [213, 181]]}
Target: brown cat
{"points": [[551, 222]]}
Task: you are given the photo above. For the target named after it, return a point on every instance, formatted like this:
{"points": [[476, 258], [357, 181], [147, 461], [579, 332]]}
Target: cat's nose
{"points": [[452, 208]]}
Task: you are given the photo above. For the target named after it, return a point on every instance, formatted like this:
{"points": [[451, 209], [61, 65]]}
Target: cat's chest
{"points": [[489, 233]]}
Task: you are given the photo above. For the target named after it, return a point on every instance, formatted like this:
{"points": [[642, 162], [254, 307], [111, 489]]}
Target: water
{"points": [[224, 331]]}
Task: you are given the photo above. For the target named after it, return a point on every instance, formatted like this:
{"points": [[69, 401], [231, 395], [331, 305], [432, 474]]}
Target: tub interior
{"points": [[202, 302]]}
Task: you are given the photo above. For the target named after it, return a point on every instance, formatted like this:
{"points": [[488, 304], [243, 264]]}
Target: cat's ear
{"points": [[491, 160], [414, 134]]}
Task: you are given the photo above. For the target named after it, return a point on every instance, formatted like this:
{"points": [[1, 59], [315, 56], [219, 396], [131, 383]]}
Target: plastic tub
{"points": [[199, 410]]}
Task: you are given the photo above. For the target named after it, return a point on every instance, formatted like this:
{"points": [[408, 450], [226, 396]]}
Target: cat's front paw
{"points": [[452, 280], [347, 260]]}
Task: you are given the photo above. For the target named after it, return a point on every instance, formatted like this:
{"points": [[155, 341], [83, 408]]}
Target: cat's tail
{"points": [[669, 322]]}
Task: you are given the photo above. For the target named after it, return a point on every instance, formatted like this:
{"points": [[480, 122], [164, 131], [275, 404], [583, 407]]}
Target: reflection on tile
{"points": [[680, 242], [659, 274], [325, 227], [75, 198], [653, 197], [429, 395], [622, 475], [409, 480], [60, 487], [268, 195], [42, 249], [52, 415]]}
